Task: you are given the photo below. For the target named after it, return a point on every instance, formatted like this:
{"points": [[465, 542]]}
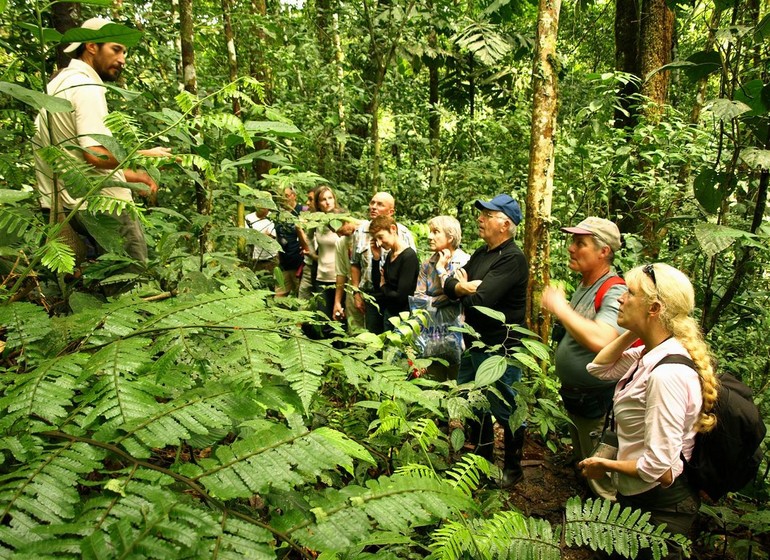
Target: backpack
{"points": [[727, 458]]}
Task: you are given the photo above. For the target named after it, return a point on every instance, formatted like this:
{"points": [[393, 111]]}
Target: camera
{"points": [[558, 331]]}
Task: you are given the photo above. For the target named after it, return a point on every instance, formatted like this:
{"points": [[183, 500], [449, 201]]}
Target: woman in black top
{"points": [[398, 267]]}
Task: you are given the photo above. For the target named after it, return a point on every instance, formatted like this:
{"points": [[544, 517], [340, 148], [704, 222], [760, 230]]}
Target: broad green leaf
{"points": [[755, 157], [36, 99], [49, 35], [707, 191], [751, 93], [537, 348], [490, 370], [715, 238], [110, 33], [124, 93], [526, 360], [494, 314], [457, 438], [272, 128], [693, 67], [9, 196], [726, 110], [111, 144], [762, 30]]}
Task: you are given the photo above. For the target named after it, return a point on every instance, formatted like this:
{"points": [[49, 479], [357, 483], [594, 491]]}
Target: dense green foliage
{"points": [[191, 418]]}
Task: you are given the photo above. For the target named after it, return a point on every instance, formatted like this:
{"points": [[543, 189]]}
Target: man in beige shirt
{"points": [[78, 133]]}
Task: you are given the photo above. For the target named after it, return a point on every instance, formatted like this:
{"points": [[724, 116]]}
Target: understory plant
{"points": [[209, 426]]}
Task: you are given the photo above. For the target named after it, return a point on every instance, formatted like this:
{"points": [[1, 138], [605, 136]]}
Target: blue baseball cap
{"points": [[502, 203]]}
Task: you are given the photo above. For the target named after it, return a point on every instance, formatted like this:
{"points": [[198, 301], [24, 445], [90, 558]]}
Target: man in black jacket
{"points": [[495, 277]]}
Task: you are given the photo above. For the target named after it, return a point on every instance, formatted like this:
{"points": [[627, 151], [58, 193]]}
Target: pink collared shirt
{"points": [[655, 413]]}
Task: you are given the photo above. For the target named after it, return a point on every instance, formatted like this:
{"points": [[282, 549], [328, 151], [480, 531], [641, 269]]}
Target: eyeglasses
{"points": [[649, 270], [488, 214]]}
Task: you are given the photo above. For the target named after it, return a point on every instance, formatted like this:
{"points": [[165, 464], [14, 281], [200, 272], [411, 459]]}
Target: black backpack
{"points": [[727, 458]]}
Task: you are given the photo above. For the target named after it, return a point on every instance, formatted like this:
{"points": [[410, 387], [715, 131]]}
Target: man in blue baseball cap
{"points": [[496, 277]]}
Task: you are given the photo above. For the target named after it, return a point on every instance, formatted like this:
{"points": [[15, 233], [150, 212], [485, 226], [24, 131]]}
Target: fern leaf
{"points": [[20, 221], [466, 473], [396, 504], [117, 395], [58, 256], [602, 526], [27, 327], [197, 414], [44, 489], [274, 457], [303, 366], [46, 392]]}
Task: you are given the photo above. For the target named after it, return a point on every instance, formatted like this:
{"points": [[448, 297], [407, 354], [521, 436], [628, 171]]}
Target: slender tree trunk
{"points": [[65, 16], [339, 61], [232, 66], [627, 59], [202, 199], [261, 72], [434, 119], [541, 163]]}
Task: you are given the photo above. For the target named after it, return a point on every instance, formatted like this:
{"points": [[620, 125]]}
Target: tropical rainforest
{"points": [[191, 417]]}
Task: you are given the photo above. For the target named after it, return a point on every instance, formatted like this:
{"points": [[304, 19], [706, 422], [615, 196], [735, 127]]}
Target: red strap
{"points": [[604, 288], [602, 291]]}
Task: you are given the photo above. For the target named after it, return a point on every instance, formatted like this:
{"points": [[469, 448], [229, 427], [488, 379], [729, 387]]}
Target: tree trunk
{"points": [[656, 39], [627, 59], [434, 119], [64, 16], [261, 72], [541, 163], [232, 65], [339, 60], [202, 199]]}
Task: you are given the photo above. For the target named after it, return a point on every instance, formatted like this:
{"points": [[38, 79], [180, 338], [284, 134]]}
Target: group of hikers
{"points": [[613, 335]]}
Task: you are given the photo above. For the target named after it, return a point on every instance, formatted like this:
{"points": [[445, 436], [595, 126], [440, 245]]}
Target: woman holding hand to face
{"points": [[396, 274], [657, 410]]}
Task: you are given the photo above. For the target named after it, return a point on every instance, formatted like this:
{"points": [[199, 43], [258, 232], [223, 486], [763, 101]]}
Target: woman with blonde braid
{"points": [[657, 410]]}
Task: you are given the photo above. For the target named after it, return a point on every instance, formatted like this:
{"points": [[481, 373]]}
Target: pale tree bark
{"points": [[434, 118], [232, 66], [178, 44], [261, 72], [339, 62], [202, 197], [541, 163]]}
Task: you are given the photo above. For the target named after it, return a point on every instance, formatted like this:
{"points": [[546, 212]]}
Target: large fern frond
{"points": [[139, 516], [395, 505], [118, 395], [200, 413], [43, 490], [274, 457], [47, 392], [27, 328], [507, 534], [603, 525], [303, 363]]}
